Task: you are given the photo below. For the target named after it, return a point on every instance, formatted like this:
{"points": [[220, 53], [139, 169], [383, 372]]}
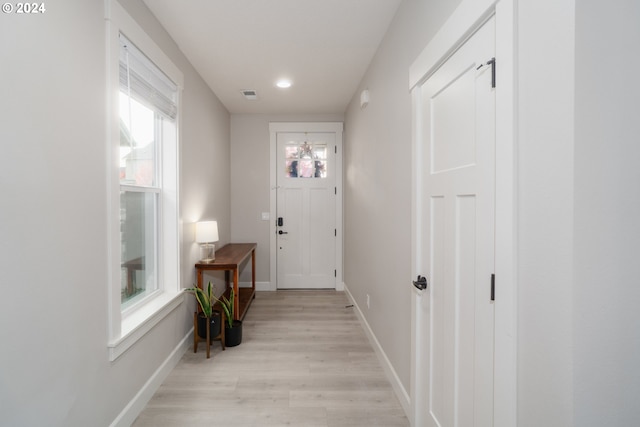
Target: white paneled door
{"points": [[454, 315], [306, 233]]}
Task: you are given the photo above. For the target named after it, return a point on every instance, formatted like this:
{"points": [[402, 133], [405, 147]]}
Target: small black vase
{"points": [[233, 336], [214, 326]]}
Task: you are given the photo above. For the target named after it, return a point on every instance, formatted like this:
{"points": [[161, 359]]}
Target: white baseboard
{"points": [[392, 376], [260, 286], [129, 414], [266, 286]]}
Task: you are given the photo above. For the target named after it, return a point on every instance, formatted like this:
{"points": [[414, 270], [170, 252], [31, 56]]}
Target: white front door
{"points": [[306, 210], [454, 315]]}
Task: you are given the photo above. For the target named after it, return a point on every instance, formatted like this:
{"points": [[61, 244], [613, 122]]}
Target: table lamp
{"points": [[207, 235]]}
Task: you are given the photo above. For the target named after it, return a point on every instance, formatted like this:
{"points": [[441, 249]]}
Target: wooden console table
{"points": [[230, 258]]}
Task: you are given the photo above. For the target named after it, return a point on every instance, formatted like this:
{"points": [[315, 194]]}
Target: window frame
{"points": [[127, 326]]}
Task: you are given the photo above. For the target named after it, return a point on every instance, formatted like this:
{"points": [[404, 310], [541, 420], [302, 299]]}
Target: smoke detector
{"points": [[251, 95]]}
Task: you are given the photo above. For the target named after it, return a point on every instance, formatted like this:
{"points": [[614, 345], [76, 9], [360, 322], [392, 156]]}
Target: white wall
{"points": [[579, 204], [250, 175], [606, 288], [545, 211], [54, 365], [377, 259]]}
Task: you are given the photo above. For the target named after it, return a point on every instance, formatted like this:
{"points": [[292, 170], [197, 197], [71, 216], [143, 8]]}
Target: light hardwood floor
{"points": [[304, 361]]}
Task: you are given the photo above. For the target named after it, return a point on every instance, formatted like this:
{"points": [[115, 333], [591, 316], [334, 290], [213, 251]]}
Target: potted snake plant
{"points": [[233, 328], [206, 300]]}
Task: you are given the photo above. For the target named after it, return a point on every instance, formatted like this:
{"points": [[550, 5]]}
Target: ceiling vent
{"points": [[251, 95]]}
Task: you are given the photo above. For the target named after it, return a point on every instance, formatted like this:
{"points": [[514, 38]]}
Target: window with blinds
{"points": [[148, 106]]}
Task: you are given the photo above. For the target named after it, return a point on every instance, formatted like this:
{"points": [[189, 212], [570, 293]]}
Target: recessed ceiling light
{"points": [[283, 84]]}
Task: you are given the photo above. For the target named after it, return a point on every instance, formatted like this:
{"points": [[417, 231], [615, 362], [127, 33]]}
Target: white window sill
{"points": [[138, 323]]}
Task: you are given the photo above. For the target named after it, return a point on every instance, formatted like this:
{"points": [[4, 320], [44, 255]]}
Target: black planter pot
{"points": [[214, 328], [233, 336]]}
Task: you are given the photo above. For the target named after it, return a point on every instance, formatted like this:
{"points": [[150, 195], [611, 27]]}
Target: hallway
{"points": [[304, 361]]}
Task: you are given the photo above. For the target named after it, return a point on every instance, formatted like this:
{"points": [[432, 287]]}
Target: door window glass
{"points": [[306, 160]]}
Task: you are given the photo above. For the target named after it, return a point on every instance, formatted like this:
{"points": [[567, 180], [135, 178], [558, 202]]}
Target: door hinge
{"points": [[335, 273], [335, 149], [491, 62], [335, 232], [335, 190], [493, 287]]}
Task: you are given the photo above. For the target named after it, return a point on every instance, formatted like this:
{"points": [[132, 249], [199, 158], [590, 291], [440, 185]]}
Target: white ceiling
{"points": [[323, 46]]}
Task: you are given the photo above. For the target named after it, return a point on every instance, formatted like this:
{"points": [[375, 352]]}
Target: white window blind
{"points": [[142, 80]]}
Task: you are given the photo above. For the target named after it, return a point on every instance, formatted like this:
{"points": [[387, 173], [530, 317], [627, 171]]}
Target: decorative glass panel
{"points": [[320, 169], [305, 169], [306, 160], [320, 152], [291, 152]]}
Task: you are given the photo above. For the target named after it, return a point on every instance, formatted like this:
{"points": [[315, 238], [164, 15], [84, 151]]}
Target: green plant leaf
{"points": [[203, 300], [210, 295], [227, 306]]}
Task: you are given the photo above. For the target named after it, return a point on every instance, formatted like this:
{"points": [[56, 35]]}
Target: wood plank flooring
{"points": [[304, 361]]}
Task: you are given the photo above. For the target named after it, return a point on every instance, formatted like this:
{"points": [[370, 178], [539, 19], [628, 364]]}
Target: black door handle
{"points": [[282, 232], [421, 283]]}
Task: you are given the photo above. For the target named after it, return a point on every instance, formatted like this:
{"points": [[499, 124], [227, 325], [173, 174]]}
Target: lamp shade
{"points": [[206, 231]]}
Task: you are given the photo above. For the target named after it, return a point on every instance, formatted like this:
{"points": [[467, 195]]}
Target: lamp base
{"points": [[207, 253]]}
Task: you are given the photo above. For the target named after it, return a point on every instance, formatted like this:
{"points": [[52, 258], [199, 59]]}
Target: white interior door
{"points": [[306, 210], [454, 315]]}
